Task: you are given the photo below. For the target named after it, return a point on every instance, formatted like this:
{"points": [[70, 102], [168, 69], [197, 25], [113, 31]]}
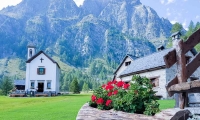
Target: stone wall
{"points": [[89, 113], [161, 73]]}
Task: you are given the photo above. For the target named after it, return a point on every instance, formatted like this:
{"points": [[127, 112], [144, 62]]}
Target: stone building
{"points": [[153, 67]]}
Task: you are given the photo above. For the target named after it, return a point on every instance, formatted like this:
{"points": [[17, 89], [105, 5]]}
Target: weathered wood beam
{"points": [[180, 87], [192, 86], [169, 84], [193, 65], [170, 58], [181, 71], [181, 63], [182, 99], [192, 41]]}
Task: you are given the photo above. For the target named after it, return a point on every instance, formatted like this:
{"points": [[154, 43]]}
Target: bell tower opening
{"points": [[31, 51]]}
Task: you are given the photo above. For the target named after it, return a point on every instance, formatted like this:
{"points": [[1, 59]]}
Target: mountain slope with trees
{"points": [[92, 38]]}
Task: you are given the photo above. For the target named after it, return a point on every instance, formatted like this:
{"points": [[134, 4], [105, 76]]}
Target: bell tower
{"points": [[31, 51]]}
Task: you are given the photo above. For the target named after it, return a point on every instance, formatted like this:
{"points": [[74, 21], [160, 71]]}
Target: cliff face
{"points": [[105, 29]]}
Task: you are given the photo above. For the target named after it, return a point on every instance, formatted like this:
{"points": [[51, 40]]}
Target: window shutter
{"points": [[38, 71]]}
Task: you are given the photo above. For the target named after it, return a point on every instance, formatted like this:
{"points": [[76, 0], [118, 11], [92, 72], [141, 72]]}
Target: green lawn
{"points": [[49, 108], [165, 104], [42, 108]]}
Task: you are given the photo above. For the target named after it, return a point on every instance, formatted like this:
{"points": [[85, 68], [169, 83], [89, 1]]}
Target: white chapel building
{"points": [[42, 72]]}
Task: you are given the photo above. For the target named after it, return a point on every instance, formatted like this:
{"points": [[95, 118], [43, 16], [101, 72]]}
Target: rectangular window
{"points": [[155, 82], [48, 85], [32, 85], [127, 63], [40, 71]]}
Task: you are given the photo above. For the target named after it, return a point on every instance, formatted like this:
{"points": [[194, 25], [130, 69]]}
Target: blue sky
{"points": [[182, 11]]}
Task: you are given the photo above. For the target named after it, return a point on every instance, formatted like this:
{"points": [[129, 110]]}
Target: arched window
{"points": [[30, 53]]}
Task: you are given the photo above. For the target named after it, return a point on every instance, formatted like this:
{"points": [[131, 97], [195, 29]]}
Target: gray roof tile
{"points": [[145, 63]]}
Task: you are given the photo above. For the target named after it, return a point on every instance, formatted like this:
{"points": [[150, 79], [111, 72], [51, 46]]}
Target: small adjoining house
{"points": [[42, 72], [153, 67], [128, 59], [19, 84]]}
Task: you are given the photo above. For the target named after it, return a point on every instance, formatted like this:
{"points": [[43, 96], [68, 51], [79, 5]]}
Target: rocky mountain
{"points": [[99, 29]]}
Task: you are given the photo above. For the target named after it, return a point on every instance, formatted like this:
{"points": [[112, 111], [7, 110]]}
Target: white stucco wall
{"points": [[51, 73], [161, 91], [122, 68]]}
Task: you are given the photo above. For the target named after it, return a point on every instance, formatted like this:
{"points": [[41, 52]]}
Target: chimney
{"points": [[175, 38]]}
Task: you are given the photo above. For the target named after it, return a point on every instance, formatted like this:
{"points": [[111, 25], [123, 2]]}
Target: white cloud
{"points": [[162, 1], [185, 0], [184, 25], [170, 1], [173, 21], [197, 17], [79, 2], [5, 3]]}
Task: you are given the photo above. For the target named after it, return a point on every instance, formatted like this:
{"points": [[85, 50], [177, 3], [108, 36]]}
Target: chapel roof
{"points": [[19, 82], [34, 56]]}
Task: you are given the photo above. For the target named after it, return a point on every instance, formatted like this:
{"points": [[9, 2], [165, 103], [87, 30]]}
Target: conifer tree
{"points": [[85, 87], [74, 86], [6, 86]]}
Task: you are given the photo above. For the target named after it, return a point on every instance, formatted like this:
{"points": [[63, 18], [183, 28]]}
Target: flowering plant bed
{"points": [[134, 97]]}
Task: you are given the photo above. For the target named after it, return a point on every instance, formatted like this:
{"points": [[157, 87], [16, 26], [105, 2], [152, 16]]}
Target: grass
{"points": [[49, 108], [165, 104], [42, 108]]}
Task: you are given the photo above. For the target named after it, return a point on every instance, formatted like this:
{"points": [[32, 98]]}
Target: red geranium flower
{"points": [[120, 84], [103, 86], [108, 102], [110, 83], [109, 87], [93, 98], [126, 86], [114, 81], [110, 93], [100, 101], [115, 92]]}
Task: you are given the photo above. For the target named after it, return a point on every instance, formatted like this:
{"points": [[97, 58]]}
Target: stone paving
{"points": [[89, 113]]}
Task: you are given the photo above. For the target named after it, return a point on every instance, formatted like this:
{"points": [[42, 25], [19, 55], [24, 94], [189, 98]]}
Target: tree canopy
{"points": [[6, 85], [74, 86]]}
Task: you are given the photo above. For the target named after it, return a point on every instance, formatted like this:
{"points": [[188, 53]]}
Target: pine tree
{"points": [[85, 87], [74, 86], [6, 86], [176, 27]]}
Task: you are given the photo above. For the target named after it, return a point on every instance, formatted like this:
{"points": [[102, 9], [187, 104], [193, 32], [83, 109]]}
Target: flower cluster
{"points": [[102, 97], [136, 97]]}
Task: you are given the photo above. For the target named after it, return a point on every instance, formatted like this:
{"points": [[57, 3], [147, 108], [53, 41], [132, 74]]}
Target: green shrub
{"points": [[135, 97]]}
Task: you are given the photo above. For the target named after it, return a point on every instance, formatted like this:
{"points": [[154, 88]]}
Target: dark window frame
{"points": [[32, 84], [155, 81], [41, 71], [127, 63], [48, 82]]}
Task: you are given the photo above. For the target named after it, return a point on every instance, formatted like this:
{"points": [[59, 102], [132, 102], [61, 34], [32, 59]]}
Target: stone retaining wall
{"points": [[89, 113]]}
